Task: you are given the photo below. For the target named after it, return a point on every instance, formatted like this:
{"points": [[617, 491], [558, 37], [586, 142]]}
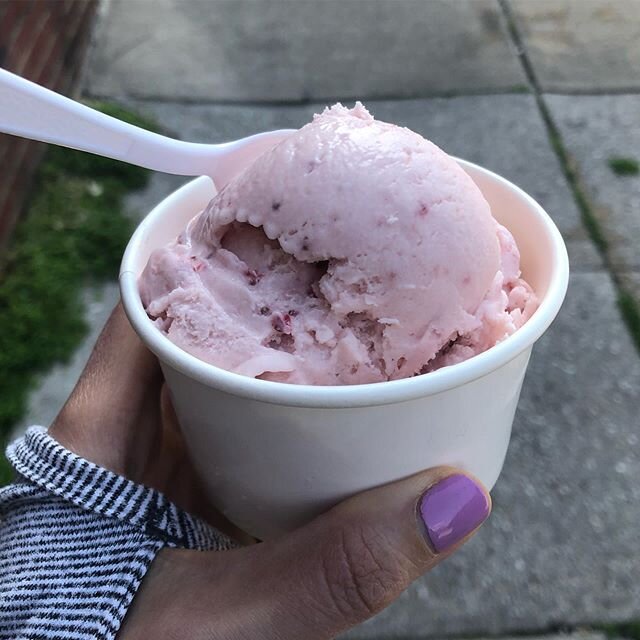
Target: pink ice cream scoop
{"points": [[355, 251]]}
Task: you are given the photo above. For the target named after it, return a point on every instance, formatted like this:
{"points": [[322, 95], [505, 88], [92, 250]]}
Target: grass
{"points": [[73, 233], [629, 630], [624, 166], [630, 310]]}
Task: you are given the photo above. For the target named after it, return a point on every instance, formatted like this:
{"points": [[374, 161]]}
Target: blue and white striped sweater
{"points": [[76, 541]]}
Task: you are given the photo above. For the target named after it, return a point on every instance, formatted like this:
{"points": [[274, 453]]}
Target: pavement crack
{"points": [[627, 304]]}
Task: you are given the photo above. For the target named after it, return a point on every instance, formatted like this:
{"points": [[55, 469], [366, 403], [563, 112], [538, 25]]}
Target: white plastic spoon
{"points": [[31, 111]]}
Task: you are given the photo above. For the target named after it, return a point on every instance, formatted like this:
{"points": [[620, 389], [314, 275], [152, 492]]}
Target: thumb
{"points": [[314, 583], [353, 561]]}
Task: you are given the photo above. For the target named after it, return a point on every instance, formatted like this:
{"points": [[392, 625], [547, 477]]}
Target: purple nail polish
{"points": [[451, 509]]}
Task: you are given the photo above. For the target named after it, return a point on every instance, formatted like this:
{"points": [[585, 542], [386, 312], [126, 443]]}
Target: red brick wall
{"points": [[44, 41]]}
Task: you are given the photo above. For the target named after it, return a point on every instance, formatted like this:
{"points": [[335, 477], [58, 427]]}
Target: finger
{"points": [[117, 390], [119, 369], [324, 578], [171, 460]]}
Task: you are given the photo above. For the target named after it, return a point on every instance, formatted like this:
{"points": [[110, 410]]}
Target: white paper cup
{"points": [[274, 455]]}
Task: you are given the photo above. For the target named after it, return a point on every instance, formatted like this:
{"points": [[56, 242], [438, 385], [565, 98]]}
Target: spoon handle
{"points": [[31, 111]]}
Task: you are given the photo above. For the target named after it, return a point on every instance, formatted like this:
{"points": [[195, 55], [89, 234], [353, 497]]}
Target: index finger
{"points": [[120, 385]]}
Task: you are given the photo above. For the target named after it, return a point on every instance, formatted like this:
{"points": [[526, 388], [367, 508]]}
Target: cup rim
{"points": [[346, 396]]}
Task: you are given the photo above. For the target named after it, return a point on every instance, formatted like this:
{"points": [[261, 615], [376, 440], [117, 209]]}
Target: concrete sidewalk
{"points": [[288, 50], [561, 547]]}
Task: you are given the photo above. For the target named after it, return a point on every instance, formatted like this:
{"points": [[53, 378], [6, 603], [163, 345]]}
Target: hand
{"points": [[314, 583]]}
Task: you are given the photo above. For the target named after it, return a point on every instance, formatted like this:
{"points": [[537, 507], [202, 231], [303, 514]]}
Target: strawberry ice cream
{"points": [[355, 251]]}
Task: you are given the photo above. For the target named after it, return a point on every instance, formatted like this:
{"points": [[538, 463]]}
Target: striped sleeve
{"points": [[76, 541]]}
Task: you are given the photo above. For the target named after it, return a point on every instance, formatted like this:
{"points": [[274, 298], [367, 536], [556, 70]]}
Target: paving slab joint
{"points": [[628, 306]]}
